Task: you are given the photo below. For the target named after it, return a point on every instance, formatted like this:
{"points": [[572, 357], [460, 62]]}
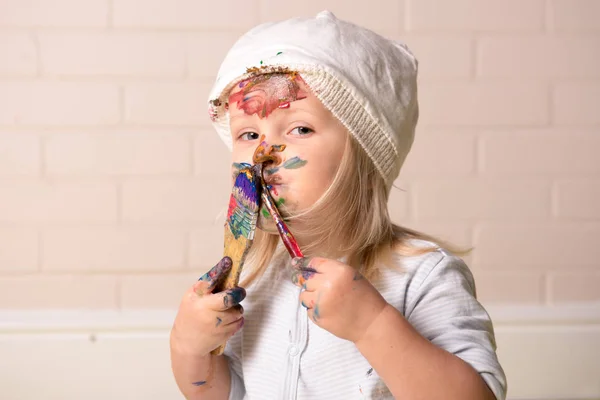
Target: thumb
{"points": [[209, 280]]}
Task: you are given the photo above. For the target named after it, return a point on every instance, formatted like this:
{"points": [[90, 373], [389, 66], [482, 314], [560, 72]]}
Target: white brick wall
{"points": [[113, 184]]}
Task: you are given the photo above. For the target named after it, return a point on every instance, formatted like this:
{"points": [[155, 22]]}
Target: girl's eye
{"points": [[301, 131], [249, 136]]}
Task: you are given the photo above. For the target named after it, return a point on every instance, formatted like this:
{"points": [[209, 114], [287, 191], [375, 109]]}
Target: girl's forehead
{"points": [[262, 94]]}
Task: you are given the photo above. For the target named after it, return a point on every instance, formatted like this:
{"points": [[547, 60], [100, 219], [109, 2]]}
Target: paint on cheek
{"points": [[199, 383], [265, 213], [294, 163], [279, 203]]}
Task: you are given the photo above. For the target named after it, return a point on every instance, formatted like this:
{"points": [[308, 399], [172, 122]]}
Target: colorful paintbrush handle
{"points": [[240, 227], [289, 241]]}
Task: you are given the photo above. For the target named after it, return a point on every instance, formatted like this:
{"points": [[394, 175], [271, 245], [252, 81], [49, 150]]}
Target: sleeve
{"points": [[444, 309], [232, 351]]}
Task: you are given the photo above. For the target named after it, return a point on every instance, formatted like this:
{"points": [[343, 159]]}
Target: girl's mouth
{"points": [[273, 180]]}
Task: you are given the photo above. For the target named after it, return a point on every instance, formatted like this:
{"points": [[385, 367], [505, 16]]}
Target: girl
{"points": [[374, 310]]}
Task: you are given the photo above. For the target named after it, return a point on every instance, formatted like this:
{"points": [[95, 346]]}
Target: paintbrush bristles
{"points": [[244, 204]]}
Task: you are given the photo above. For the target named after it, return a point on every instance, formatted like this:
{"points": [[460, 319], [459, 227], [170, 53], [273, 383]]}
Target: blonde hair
{"points": [[350, 220]]}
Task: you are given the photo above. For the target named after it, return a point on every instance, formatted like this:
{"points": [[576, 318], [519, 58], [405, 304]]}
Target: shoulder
{"points": [[437, 270], [434, 264]]}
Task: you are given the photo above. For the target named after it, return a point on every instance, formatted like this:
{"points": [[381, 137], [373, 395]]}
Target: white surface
{"points": [[547, 352]]}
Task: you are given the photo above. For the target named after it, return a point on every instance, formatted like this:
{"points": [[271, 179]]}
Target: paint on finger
{"points": [[316, 310], [302, 263], [234, 297], [217, 271], [299, 278]]}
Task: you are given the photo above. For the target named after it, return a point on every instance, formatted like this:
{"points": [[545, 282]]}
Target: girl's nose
{"points": [[267, 153]]}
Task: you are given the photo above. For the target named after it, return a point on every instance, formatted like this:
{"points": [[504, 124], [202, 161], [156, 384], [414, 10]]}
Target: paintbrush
{"points": [[240, 226], [244, 205], [287, 238], [265, 155]]}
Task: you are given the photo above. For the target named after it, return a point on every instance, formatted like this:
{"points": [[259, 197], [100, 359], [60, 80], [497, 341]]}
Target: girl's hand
{"points": [[206, 320], [337, 296]]}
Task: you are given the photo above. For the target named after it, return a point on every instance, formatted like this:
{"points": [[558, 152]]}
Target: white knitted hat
{"points": [[367, 81]]}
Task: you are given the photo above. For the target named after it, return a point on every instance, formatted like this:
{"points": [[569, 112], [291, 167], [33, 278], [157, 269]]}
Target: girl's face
{"points": [[282, 108]]}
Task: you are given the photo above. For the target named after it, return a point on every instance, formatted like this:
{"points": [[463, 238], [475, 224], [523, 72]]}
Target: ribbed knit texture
{"points": [[280, 354]]}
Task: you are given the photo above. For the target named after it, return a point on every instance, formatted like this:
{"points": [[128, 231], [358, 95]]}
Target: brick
{"points": [[58, 292], [456, 233], [25, 202], [54, 13], [206, 51], [509, 287], [569, 287], [539, 56], [167, 104], [19, 154], [118, 153], [474, 199], [211, 155], [17, 55], [578, 199], [574, 15], [551, 152], [385, 16], [19, 250], [58, 103], [163, 291], [543, 245], [206, 246], [441, 154], [442, 56], [119, 54], [576, 103], [484, 103], [113, 250], [185, 14], [189, 201], [476, 15]]}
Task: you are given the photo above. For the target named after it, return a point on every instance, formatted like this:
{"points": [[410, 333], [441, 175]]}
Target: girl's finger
{"points": [[302, 275], [308, 299], [207, 282], [232, 315], [226, 331], [311, 301], [316, 265], [225, 300]]}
